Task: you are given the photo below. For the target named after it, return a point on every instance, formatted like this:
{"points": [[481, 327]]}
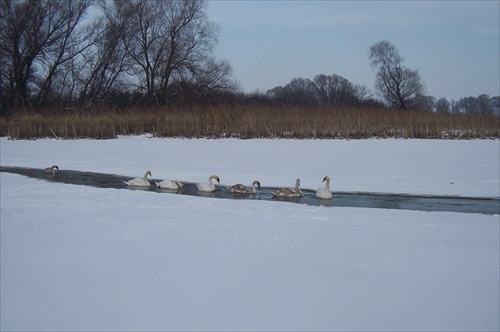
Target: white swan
{"points": [[51, 170], [210, 186], [170, 184], [324, 192], [240, 189], [289, 192], [140, 182]]}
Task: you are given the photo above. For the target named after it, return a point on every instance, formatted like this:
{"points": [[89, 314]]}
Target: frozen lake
{"points": [[77, 257]]}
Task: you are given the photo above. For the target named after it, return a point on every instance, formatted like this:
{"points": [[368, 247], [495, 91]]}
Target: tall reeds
{"points": [[249, 122]]}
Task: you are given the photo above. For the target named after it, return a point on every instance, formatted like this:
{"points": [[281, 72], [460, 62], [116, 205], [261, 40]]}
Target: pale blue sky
{"points": [[455, 45]]}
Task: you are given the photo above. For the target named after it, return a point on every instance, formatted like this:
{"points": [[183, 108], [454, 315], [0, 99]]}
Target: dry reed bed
{"points": [[248, 122]]}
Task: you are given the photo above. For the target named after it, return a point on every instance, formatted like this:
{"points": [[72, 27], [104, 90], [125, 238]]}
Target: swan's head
{"points": [[148, 172], [257, 184], [54, 167], [326, 178], [215, 177], [297, 182]]}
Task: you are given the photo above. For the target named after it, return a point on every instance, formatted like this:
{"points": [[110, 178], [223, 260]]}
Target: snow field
{"points": [[82, 258]]}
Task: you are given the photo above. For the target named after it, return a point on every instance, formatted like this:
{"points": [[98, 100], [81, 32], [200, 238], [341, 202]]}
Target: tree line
{"points": [[120, 53], [336, 91]]}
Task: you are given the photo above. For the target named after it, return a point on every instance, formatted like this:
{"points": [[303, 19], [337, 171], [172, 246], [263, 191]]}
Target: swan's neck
{"points": [[146, 175], [297, 185], [327, 185], [254, 188], [210, 180]]}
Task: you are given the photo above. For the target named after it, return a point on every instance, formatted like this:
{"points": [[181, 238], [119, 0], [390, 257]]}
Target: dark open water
{"points": [[347, 199]]}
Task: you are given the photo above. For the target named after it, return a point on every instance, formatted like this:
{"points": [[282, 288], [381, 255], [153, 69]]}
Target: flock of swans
{"points": [[237, 189]]}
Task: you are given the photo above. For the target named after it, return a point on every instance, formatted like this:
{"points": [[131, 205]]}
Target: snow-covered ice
{"points": [[83, 258], [469, 168]]}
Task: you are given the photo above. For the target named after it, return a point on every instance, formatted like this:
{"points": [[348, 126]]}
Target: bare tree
{"points": [[362, 93], [334, 90], [37, 38], [398, 85], [299, 92], [168, 42], [443, 105], [104, 66], [73, 40], [210, 77], [495, 105], [216, 76], [48, 53], [423, 103]]}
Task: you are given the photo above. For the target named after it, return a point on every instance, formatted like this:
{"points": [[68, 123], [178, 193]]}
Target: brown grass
{"points": [[248, 122]]}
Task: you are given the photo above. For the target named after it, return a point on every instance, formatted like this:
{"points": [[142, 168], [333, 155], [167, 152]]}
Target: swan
{"points": [[51, 170], [170, 184], [140, 182], [210, 186], [289, 192], [240, 189], [324, 192]]}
